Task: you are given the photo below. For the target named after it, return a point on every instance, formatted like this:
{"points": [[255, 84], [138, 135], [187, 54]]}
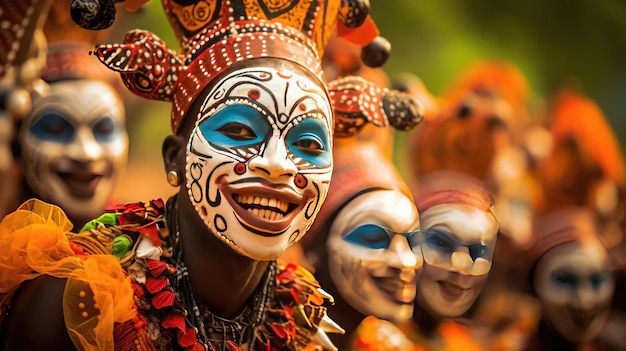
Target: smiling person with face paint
{"points": [[71, 144], [74, 147], [364, 245], [571, 274], [459, 231], [251, 152]]}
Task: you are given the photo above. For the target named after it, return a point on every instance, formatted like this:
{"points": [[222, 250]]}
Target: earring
{"points": [[173, 178]]}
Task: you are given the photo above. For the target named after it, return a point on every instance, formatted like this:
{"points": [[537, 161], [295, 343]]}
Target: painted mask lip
{"points": [[264, 188], [584, 318], [452, 288], [394, 286], [82, 181], [455, 284]]}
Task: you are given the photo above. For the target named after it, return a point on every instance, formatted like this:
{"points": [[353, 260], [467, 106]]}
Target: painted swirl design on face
{"points": [[259, 159]]}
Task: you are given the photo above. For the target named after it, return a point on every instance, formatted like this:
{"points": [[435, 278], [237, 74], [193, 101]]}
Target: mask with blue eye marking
{"points": [[75, 146], [53, 127], [459, 238], [573, 279], [375, 237], [259, 159], [440, 249], [374, 254]]}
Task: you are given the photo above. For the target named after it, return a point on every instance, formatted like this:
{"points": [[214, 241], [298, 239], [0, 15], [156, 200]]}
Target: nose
{"points": [[400, 254], [461, 261], [84, 147], [585, 297], [274, 161]]}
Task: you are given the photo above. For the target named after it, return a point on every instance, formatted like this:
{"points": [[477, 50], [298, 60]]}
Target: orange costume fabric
{"points": [[117, 290]]}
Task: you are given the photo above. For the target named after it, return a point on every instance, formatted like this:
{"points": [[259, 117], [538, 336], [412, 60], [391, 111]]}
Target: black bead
{"points": [[93, 14], [376, 53]]}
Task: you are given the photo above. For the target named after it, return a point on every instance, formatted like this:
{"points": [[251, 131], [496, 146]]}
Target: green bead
{"points": [[121, 245]]}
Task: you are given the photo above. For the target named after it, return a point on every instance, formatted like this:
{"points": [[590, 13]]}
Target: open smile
{"points": [[451, 288], [271, 209], [266, 208], [81, 184], [398, 289]]}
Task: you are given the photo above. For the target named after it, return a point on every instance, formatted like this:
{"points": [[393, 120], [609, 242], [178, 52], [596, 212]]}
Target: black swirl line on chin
{"points": [[294, 237], [218, 196], [309, 211], [219, 223]]}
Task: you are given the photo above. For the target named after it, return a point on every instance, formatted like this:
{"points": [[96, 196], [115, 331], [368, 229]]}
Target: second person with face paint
{"points": [[459, 232]]}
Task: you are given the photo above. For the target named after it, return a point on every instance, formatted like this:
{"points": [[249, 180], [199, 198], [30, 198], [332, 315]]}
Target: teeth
{"points": [[283, 205], [280, 205], [266, 214]]}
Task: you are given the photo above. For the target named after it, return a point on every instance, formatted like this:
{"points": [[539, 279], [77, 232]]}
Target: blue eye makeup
{"points": [[235, 126], [105, 129], [599, 279], [565, 279], [309, 141], [53, 127], [440, 242], [374, 236], [370, 236]]}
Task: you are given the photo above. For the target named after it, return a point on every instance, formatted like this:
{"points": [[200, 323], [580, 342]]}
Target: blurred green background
{"points": [[551, 42]]}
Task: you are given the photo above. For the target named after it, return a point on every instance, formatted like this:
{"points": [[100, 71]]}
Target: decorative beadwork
{"points": [[215, 35]]}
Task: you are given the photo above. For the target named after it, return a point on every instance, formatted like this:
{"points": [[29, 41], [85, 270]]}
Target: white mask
{"points": [[374, 253], [259, 159], [75, 146], [575, 286], [458, 248]]}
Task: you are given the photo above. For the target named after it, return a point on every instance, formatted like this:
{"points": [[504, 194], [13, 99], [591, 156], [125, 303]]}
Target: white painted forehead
{"points": [[81, 99], [389, 208], [466, 223], [280, 89]]}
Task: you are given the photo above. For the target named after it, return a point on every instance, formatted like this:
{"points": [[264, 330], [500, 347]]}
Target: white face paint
{"points": [[259, 159], [458, 248], [374, 254], [575, 286], [75, 146]]}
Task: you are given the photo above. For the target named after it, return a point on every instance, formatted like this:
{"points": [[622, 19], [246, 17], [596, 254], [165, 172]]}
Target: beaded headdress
{"points": [[216, 34]]}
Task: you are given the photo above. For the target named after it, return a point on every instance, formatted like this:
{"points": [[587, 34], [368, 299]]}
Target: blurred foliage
{"points": [[552, 42]]}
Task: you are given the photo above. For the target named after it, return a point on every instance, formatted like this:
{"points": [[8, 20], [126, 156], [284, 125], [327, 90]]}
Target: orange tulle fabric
{"points": [[35, 241]]}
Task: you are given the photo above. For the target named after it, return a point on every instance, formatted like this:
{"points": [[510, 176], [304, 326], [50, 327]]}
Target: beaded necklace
{"points": [[214, 331]]}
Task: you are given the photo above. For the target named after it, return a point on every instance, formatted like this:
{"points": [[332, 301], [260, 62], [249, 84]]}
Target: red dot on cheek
{"points": [[254, 94], [240, 168], [301, 181], [302, 107]]}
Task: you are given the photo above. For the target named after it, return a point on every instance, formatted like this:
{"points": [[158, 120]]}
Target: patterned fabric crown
{"points": [[216, 34]]}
